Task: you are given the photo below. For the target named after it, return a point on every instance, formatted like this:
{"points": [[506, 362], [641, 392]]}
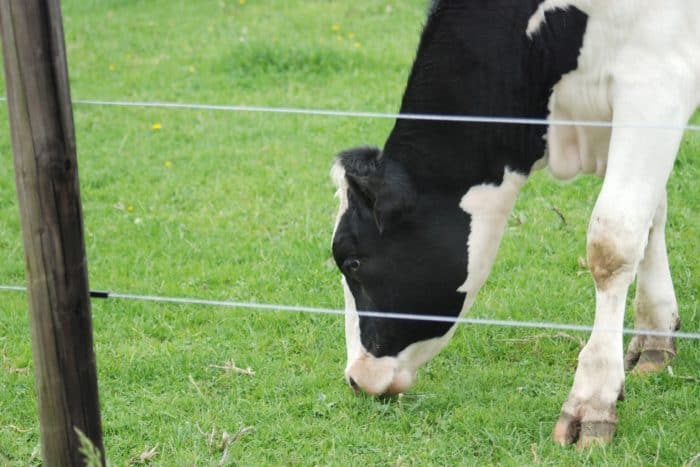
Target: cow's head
{"points": [[409, 247], [400, 251]]}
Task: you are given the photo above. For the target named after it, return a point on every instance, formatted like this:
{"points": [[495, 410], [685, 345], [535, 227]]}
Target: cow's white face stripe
{"points": [[341, 183], [355, 349], [489, 207], [352, 326]]}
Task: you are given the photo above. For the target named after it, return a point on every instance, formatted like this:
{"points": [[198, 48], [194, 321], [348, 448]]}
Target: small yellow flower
{"points": [[168, 164], [190, 69], [130, 208], [335, 28], [357, 45], [112, 67], [351, 35], [156, 126], [242, 2]]}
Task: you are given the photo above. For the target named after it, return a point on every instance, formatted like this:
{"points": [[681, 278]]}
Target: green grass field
{"points": [[240, 207]]}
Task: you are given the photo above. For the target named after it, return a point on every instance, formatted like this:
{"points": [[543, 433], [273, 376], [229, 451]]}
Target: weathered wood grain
{"points": [[46, 172]]}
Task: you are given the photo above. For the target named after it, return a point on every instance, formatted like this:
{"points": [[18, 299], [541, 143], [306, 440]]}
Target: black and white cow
{"points": [[420, 221]]}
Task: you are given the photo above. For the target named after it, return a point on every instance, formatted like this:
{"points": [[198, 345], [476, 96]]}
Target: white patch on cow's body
{"points": [[640, 62], [489, 207], [537, 19]]}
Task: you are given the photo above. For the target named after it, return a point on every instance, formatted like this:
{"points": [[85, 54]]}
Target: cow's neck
{"points": [[474, 60]]}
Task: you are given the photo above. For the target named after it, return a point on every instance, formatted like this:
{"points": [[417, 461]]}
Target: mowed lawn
{"points": [[239, 206]]}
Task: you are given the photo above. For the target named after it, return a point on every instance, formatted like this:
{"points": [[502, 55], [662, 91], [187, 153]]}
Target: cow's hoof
{"points": [[586, 423], [596, 433], [567, 429], [652, 361], [570, 429], [646, 355]]}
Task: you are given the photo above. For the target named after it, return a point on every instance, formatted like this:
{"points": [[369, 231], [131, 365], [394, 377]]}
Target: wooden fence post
{"points": [[46, 172]]}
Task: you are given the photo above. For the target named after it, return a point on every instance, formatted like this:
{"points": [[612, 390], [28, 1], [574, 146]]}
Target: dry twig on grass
{"points": [[230, 366], [561, 216], [537, 337], [533, 451], [18, 429], [210, 436], [194, 383], [11, 368], [692, 379], [692, 461], [145, 457], [226, 440]]}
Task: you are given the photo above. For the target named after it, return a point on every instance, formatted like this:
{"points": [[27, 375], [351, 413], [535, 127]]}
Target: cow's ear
{"points": [[383, 184]]}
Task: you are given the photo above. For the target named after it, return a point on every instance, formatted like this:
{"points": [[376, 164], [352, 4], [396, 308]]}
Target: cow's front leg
{"points": [[639, 162], [589, 415], [655, 303]]}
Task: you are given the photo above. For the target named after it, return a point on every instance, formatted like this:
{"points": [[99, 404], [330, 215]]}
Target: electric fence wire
{"points": [[506, 120], [374, 314]]}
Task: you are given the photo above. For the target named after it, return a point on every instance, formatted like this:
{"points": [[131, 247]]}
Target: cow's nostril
{"points": [[353, 384]]}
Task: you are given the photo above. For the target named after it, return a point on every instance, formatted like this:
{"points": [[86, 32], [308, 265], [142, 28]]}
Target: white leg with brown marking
{"points": [[639, 163]]}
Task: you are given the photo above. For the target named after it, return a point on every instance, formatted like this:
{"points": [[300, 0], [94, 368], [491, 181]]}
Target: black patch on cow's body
{"points": [[473, 59]]}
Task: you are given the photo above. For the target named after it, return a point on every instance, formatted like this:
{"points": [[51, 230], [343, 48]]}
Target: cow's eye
{"points": [[351, 265]]}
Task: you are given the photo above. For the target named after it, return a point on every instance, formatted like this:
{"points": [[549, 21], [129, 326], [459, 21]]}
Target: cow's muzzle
{"points": [[378, 376]]}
